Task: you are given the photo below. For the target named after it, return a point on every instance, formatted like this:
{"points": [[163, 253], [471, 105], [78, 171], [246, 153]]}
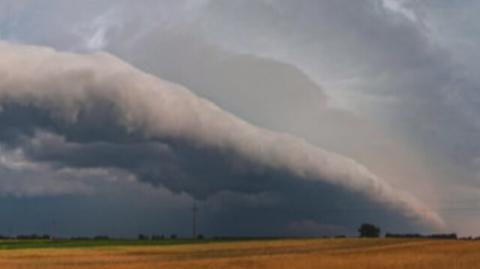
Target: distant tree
{"points": [[369, 230], [452, 236], [173, 236], [158, 237], [33, 237], [200, 237], [80, 238], [443, 236], [143, 237], [411, 235], [101, 237]]}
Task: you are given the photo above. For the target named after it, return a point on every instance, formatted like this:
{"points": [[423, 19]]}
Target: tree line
{"points": [[366, 230], [370, 230]]}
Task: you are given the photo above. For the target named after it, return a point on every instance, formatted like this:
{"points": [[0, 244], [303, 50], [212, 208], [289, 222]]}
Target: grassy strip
{"points": [[76, 243], [67, 243]]}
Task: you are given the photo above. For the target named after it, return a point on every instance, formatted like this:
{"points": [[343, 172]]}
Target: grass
{"points": [[40, 243], [78, 243], [278, 254]]}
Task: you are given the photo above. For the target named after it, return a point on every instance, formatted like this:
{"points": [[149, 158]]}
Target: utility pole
{"points": [[194, 220]]}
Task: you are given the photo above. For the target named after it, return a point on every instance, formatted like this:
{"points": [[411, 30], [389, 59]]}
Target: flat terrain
{"points": [[310, 253]]}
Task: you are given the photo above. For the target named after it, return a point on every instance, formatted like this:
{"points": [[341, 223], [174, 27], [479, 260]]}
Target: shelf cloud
{"points": [[96, 111]]}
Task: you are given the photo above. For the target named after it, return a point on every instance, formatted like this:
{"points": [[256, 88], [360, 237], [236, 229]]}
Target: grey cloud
{"points": [[416, 78], [362, 49], [274, 95], [154, 111], [22, 178], [359, 48], [263, 91]]}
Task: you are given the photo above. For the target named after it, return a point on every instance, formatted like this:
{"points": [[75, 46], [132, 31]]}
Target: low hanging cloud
{"points": [[95, 111]]}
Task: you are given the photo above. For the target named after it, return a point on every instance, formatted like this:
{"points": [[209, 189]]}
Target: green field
{"points": [[88, 243], [68, 243]]}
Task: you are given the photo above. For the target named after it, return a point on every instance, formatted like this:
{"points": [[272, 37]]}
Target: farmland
{"points": [[292, 253]]}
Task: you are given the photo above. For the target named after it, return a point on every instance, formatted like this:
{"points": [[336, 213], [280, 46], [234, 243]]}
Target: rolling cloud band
{"points": [[94, 110]]}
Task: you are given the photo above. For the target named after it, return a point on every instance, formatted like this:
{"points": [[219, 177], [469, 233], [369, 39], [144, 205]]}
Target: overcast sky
{"points": [[278, 117]]}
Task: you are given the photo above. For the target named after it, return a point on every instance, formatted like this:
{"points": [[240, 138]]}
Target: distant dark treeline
{"points": [[27, 237], [431, 236], [143, 237], [85, 238], [163, 237]]}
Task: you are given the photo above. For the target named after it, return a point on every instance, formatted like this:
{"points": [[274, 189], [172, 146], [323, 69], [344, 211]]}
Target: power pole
{"points": [[194, 220]]}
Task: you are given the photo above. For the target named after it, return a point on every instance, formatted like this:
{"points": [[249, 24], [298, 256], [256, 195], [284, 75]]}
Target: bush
{"points": [[80, 238], [101, 237], [32, 237], [369, 230], [158, 237], [143, 237]]}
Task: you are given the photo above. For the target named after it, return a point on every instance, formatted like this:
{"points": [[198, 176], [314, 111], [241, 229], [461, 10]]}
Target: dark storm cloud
{"points": [[270, 94], [366, 48], [263, 91], [165, 135], [408, 65], [374, 49]]}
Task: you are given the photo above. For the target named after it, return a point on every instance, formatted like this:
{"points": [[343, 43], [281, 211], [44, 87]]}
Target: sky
{"points": [[275, 117]]}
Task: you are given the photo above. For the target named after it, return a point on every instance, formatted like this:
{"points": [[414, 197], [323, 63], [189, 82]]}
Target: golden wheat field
{"points": [[314, 253]]}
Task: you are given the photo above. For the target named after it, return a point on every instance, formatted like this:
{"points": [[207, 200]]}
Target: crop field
{"points": [[293, 253]]}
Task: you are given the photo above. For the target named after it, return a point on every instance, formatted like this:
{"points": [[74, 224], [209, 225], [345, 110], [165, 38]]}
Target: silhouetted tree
{"points": [[431, 236], [369, 230], [101, 237], [80, 238], [32, 237], [158, 237], [143, 237]]}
